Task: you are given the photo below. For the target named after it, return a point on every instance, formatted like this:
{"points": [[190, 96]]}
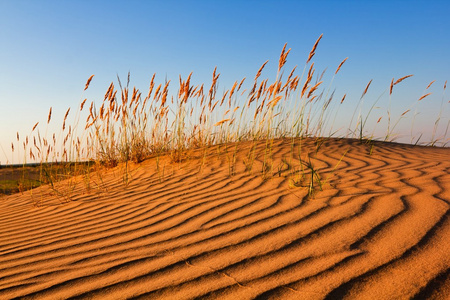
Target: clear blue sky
{"points": [[49, 48]]}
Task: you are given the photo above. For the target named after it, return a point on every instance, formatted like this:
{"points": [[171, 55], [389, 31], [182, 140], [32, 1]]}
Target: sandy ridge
{"points": [[380, 227]]}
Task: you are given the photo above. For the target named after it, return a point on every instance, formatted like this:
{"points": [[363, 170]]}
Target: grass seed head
{"points": [[221, 122], [283, 56], [311, 91], [65, 118], [402, 78], [88, 82], [430, 84], [49, 115], [259, 71], [274, 102], [424, 96], [340, 65], [367, 87], [82, 104], [313, 50], [240, 84], [290, 75]]}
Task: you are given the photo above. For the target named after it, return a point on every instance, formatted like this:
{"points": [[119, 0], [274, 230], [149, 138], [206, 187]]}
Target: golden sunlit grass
{"points": [[131, 126]]}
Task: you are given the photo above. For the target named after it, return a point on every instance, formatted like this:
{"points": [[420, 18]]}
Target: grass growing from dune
{"points": [[129, 126]]}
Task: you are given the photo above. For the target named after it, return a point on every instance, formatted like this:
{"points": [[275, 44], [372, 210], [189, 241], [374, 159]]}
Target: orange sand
{"points": [[380, 229]]}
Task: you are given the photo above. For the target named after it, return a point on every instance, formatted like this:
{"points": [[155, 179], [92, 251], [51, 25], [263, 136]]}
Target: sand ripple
{"points": [[379, 229]]}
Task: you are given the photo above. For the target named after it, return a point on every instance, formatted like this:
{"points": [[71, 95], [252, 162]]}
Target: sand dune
{"points": [[209, 228]]}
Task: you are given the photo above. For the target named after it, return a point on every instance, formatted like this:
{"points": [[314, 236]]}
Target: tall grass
{"points": [[128, 125]]}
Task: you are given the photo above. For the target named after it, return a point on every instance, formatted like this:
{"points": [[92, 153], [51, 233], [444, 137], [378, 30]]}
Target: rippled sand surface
{"points": [[217, 226]]}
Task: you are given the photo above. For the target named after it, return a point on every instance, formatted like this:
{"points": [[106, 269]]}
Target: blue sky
{"points": [[50, 48]]}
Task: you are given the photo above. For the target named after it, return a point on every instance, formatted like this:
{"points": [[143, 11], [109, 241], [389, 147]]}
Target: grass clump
{"points": [[129, 126]]}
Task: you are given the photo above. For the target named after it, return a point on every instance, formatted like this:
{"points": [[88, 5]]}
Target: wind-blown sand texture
{"points": [[380, 229]]}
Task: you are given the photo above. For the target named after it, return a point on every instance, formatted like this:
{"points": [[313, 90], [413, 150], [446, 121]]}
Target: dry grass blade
{"points": [[391, 87], [34, 127]]}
